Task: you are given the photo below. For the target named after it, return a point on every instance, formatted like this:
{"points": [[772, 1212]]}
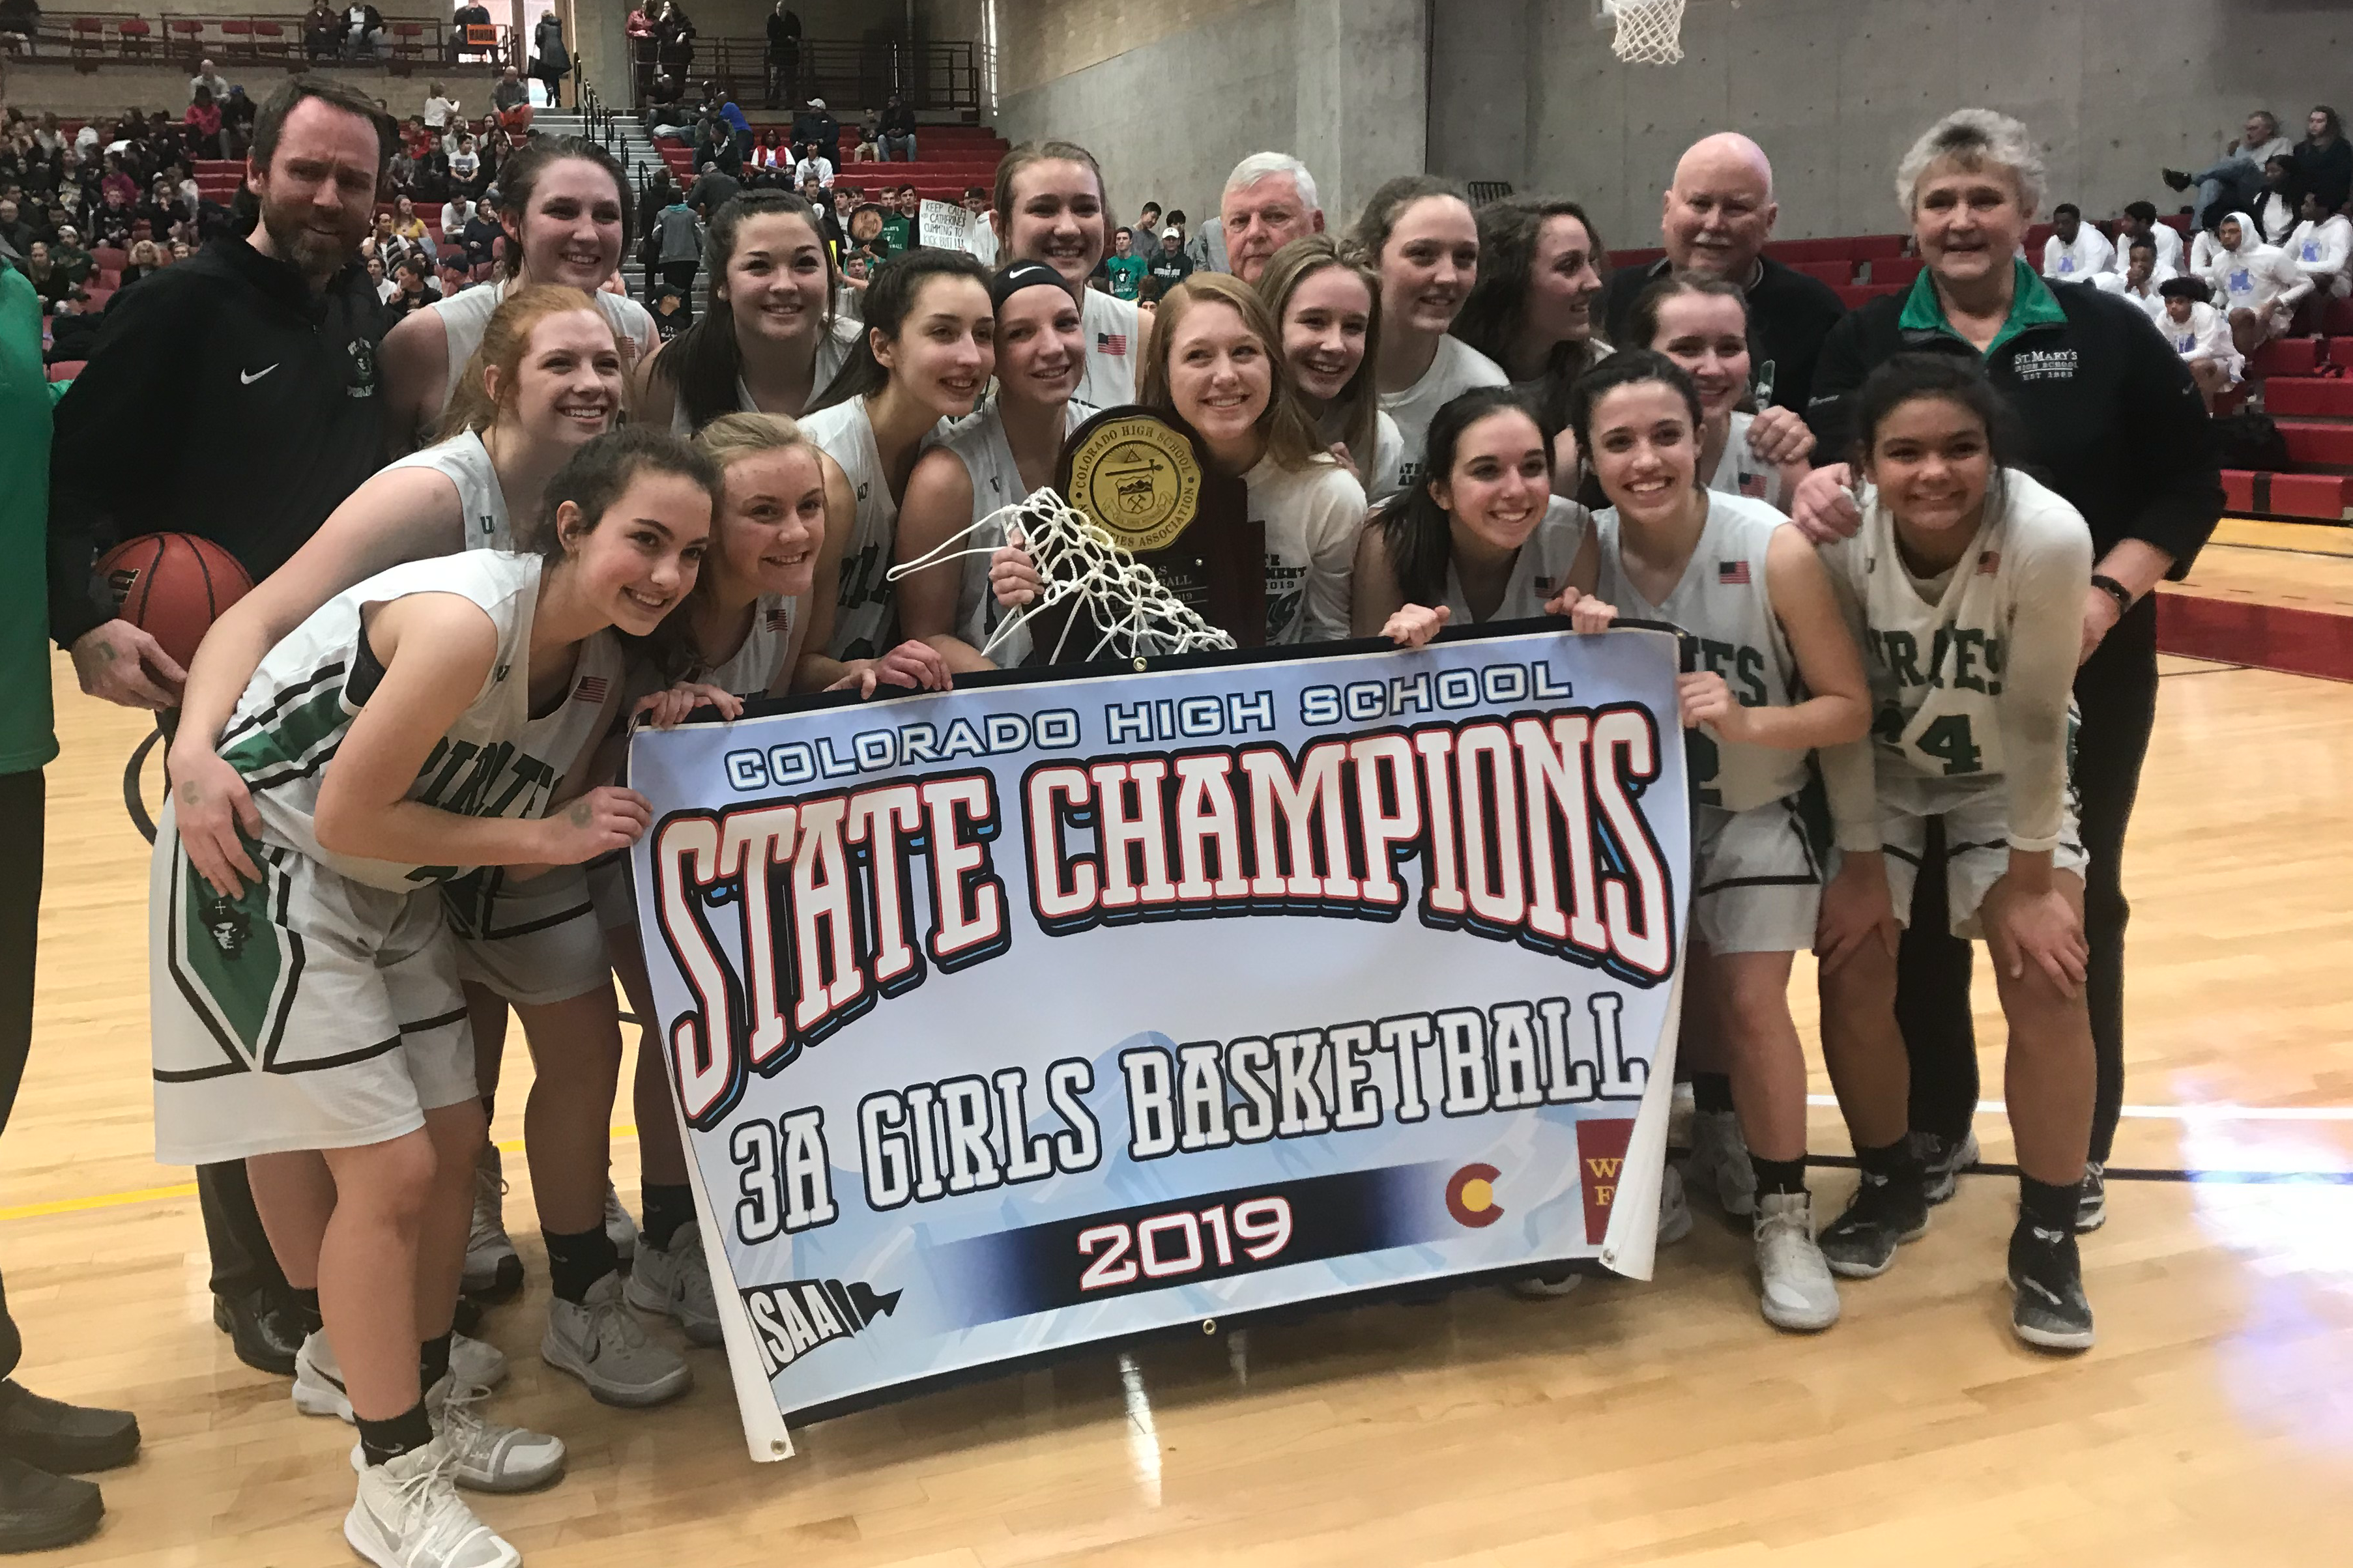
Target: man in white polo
{"points": [[1269, 201]]}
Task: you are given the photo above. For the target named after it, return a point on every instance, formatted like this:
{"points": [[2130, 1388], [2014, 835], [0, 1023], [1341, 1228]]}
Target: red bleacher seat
{"points": [[2238, 491], [2314, 445], [1834, 273], [1895, 272], [109, 258], [1624, 258], [2338, 322], [2320, 496], [2287, 357], [2309, 396]]}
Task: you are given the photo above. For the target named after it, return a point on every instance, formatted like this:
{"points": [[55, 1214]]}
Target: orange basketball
{"points": [[173, 586]]}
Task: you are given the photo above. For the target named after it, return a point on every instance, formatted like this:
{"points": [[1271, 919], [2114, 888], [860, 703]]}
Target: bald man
{"points": [[1269, 201], [1719, 214]]}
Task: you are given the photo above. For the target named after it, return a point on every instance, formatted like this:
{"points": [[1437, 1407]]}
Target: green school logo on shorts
{"points": [[227, 950]]}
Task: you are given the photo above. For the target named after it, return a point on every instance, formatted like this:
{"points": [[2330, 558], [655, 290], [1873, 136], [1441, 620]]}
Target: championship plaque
{"points": [[1142, 477]]}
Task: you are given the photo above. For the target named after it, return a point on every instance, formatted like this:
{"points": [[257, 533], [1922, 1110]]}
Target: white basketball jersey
{"points": [[465, 314], [1722, 603], [1936, 650], [758, 659], [1114, 337], [864, 619], [480, 499], [302, 699], [1741, 472], [549, 748], [979, 443], [1538, 573], [832, 353]]}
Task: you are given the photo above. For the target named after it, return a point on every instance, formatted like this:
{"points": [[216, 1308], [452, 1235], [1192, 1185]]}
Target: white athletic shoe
{"points": [[1675, 1209], [1796, 1290], [476, 1363], [1545, 1288], [1719, 1165], [408, 1515], [484, 1456], [618, 1226], [491, 1267], [601, 1344], [675, 1281], [319, 1380]]}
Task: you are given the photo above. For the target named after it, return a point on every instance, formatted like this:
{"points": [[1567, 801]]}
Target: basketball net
{"points": [[1650, 32], [1113, 599]]}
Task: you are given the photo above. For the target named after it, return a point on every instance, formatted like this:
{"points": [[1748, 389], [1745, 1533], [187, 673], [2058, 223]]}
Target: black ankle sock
{"points": [[1712, 1091], [1893, 1161], [433, 1360], [576, 1262], [306, 1307], [1779, 1176], [666, 1209], [382, 1440], [2045, 1206]]}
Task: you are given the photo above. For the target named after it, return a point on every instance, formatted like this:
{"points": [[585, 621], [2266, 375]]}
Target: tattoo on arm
{"points": [[579, 814]]}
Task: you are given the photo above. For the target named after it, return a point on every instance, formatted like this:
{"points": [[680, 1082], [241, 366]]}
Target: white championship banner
{"points": [[1054, 1010]]}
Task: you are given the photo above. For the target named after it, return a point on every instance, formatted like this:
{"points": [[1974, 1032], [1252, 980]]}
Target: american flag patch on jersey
{"points": [[1732, 574], [1753, 486], [778, 614], [1111, 343], [590, 689], [1988, 562]]}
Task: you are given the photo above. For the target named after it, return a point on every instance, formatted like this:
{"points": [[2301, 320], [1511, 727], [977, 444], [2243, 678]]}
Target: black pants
{"points": [[678, 275], [242, 1261], [23, 798], [2116, 693]]}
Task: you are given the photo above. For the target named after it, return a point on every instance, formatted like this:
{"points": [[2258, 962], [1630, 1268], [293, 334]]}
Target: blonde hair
{"points": [[1291, 437], [505, 339], [733, 436], [1358, 403]]}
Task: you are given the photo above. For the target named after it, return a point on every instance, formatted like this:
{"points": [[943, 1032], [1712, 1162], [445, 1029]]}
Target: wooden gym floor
{"points": [[1626, 1424]]}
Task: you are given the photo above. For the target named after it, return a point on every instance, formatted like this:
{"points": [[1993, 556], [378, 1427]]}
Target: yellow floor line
{"points": [[180, 1190]]}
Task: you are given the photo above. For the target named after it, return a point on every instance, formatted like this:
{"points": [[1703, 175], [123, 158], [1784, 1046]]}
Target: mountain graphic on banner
{"points": [[795, 1317]]}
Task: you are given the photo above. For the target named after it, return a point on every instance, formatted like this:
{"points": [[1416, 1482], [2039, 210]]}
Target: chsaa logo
{"points": [[1470, 1196]]}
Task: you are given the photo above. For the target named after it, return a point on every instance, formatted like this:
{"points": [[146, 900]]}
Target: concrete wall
{"points": [[1527, 90]]}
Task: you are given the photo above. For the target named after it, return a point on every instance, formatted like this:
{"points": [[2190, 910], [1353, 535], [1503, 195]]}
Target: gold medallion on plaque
{"points": [[1139, 478]]}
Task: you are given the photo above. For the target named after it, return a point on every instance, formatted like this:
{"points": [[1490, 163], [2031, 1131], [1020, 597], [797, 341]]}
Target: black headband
{"points": [[1020, 276]]}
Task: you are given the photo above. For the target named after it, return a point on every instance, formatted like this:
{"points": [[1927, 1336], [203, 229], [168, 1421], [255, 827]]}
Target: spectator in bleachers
{"points": [[466, 171], [70, 258], [118, 179], [512, 100], [665, 109], [2140, 218], [73, 329], [207, 79], [2324, 163], [711, 190], [48, 281], [1269, 201], [1125, 271], [2142, 277], [866, 142], [2254, 284], [2275, 211], [483, 238], [551, 61], [379, 277], [47, 136], [674, 39], [2233, 180], [411, 289], [816, 123], [401, 174], [411, 227], [472, 14], [2322, 248], [323, 32], [20, 23], [111, 224], [1719, 213], [639, 29], [455, 213], [2200, 336], [181, 250], [784, 54], [2076, 251], [812, 164], [363, 25], [678, 248], [450, 272], [897, 137], [145, 259], [1170, 264], [15, 232], [729, 113], [440, 109], [236, 124]]}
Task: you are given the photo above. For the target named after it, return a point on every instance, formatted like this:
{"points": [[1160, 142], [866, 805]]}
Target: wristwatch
{"points": [[2114, 590]]}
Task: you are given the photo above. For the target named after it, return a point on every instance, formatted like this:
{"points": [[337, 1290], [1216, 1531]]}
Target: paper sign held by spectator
{"points": [[948, 226]]}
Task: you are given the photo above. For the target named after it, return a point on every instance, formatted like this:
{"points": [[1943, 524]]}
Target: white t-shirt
{"points": [[1311, 517], [1457, 368], [1389, 447], [1115, 343], [2091, 253]]}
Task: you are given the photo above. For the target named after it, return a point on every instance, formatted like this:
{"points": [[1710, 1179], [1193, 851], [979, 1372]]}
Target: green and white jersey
{"points": [[480, 500], [865, 620], [980, 445], [1723, 605], [1538, 573], [1972, 669], [758, 659], [301, 702]]}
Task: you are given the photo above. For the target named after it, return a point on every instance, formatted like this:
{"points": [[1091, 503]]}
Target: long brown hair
{"points": [[1358, 403], [1290, 437], [505, 337]]}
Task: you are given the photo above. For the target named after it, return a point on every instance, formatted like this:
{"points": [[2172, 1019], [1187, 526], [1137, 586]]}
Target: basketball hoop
{"points": [[1650, 32], [1127, 610]]}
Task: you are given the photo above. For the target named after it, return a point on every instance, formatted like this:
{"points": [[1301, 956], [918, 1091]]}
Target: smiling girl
{"points": [[1050, 205], [1533, 306], [771, 340], [1702, 324], [1330, 312], [307, 1014]]}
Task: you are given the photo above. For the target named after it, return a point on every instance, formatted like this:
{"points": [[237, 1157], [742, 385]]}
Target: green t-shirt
{"points": [[1126, 274], [28, 736], [898, 232]]}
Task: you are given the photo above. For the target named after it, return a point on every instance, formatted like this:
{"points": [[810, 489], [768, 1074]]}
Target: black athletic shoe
{"points": [[2047, 1309], [263, 1329], [1942, 1161], [39, 1510], [2092, 1198], [67, 1438], [2176, 178], [1883, 1214]]}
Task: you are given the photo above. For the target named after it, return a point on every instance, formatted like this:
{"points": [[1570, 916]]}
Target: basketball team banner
{"points": [[1052, 1011]]}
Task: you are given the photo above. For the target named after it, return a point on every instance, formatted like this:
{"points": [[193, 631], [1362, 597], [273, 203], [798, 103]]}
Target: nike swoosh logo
{"points": [[249, 377]]}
